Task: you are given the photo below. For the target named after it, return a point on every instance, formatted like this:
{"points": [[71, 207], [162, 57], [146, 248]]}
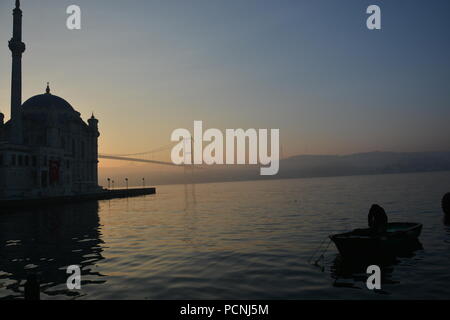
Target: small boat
{"points": [[398, 238]]}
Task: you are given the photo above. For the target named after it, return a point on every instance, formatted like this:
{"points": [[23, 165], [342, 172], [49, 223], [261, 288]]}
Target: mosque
{"points": [[46, 149]]}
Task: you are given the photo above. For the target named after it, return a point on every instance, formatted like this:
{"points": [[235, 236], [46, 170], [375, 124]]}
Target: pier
{"points": [[102, 195]]}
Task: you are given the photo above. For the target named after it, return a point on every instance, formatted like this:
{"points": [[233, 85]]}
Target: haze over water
{"points": [[238, 240]]}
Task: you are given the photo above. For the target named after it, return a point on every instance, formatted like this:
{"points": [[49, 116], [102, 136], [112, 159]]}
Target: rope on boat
{"points": [[321, 256]]}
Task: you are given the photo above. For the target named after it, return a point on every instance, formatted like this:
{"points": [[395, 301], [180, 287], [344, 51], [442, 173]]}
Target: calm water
{"points": [[228, 241]]}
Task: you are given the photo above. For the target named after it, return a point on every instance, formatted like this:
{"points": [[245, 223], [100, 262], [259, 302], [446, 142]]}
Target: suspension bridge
{"points": [[113, 157], [148, 156], [143, 157]]}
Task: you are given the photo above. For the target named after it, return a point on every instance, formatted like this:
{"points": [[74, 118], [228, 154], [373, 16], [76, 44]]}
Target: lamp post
{"points": [[109, 183], [143, 182], [126, 180], [113, 184]]}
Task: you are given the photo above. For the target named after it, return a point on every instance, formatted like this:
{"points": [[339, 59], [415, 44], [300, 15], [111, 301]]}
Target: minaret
{"points": [[17, 48]]}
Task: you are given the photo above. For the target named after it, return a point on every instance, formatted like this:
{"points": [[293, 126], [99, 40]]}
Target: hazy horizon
{"points": [[300, 166]]}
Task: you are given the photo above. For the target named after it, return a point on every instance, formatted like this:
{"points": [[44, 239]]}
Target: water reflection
{"points": [[351, 273], [190, 197], [45, 242]]}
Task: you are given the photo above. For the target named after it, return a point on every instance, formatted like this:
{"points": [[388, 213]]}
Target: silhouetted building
{"points": [[46, 149]]}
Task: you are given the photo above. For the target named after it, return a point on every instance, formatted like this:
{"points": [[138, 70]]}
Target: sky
{"points": [[309, 68]]}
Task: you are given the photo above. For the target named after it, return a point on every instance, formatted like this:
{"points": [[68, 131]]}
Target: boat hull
{"points": [[400, 239]]}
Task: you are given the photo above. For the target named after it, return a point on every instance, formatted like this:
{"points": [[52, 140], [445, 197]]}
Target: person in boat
{"points": [[446, 204], [378, 219]]}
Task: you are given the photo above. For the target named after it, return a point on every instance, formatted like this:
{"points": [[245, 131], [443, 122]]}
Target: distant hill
{"points": [[364, 163], [301, 166]]}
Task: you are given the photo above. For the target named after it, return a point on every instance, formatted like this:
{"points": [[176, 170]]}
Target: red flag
{"points": [[54, 171]]}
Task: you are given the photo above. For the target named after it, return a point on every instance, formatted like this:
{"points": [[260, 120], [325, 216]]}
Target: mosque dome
{"points": [[47, 101]]}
